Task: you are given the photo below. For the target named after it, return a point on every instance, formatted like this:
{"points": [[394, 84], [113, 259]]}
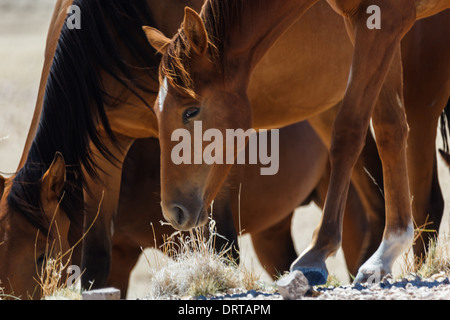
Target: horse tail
{"points": [[445, 120]]}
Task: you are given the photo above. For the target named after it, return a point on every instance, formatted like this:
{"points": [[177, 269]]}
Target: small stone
{"points": [[102, 294], [294, 286]]}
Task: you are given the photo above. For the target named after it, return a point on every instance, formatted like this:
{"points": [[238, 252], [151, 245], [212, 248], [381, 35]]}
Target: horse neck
{"points": [[250, 28]]}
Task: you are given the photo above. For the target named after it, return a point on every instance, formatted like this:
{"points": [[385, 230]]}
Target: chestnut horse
{"points": [[204, 76]]}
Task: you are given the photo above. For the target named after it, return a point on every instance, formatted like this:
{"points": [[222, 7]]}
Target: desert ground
{"points": [[23, 30]]}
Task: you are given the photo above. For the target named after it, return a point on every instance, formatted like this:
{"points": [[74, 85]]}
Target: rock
{"points": [[293, 286], [102, 294]]}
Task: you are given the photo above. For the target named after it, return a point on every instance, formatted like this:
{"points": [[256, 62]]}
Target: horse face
{"points": [[25, 251], [193, 123]]}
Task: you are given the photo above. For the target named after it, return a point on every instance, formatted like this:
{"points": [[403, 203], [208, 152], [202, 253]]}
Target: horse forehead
{"points": [[162, 94]]}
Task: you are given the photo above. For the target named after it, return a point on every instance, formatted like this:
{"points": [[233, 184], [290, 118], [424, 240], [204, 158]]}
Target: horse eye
{"points": [[190, 113]]}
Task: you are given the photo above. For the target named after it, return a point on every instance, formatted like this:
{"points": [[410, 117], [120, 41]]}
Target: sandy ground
{"points": [[23, 29]]}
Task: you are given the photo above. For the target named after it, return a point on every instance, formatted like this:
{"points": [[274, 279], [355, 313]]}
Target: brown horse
{"points": [[204, 76]]}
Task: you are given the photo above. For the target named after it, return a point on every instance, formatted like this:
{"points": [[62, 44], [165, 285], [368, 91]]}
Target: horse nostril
{"points": [[179, 214]]}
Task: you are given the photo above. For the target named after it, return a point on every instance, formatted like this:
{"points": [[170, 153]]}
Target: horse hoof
{"points": [[315, 276]]}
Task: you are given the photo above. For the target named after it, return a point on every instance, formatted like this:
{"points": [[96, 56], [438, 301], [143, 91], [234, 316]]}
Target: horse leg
{"points": [[125, 255], [427, 200], [356, 235], [274, 247], [391, 130], [426, 87], [225, 227], [101, 201], [367, 180], [373, 54]]}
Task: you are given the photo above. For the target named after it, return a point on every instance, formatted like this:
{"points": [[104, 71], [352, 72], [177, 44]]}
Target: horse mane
{"points": [[74, 101], [218, 17]]}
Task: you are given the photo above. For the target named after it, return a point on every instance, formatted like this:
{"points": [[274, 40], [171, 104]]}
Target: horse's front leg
{"points": [[373, 53], [391, 130], [101, 200]]}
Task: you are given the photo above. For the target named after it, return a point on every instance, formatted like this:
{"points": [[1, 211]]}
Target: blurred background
{"points": [[23, 31]]}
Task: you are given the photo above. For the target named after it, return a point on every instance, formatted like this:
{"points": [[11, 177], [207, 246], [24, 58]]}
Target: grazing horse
{"points": [[204, 76], [34, 246]]}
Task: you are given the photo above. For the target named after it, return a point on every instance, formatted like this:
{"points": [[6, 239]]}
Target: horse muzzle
{"points": [[184, 218]]}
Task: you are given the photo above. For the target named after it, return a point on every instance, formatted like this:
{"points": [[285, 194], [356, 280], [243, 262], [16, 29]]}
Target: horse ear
{"points": [[52, 183], [157, 39], [52, 186], [195, 31]]}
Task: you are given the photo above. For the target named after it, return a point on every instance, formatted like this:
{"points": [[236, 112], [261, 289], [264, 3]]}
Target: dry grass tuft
{"points": [[436, 261], [197, 269], [53, 276], [53, 282]]}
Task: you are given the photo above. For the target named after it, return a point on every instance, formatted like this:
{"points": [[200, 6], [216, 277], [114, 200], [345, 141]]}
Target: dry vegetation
{"points": [[437, 260], [197, 269], [194, 268]]}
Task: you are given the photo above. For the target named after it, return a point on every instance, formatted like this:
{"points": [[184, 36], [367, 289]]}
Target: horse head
{"points": [[26, 247], [195, 102]]}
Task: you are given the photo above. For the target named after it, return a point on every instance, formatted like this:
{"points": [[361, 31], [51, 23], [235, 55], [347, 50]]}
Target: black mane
{"points": [[74, 101]]}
